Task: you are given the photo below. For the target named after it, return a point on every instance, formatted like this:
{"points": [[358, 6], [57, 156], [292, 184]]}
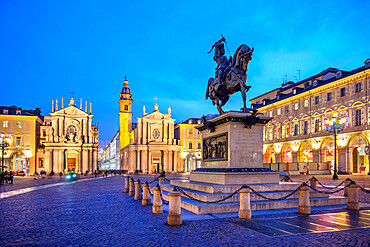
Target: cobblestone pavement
{"points": [[96, 213]]}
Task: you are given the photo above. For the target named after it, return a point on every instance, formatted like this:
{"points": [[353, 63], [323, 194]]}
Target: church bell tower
{"points": [[125, 114]]}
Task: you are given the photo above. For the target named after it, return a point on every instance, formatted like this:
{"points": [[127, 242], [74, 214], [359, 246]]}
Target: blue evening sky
{"points": [[48, 48]]}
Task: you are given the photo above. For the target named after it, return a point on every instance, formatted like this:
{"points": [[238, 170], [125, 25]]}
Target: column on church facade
{"points": [[62, 159], [165, 161], [132, 161], [48, 159], [175, 161], [149, 161], [80, 168], [138, 160], [56, 129], [95, 159], [139, 131], [90, 161], [145, 132], [170, 161], [144, 161], [85, 131], [85, 160], [60, 126], [171, 133], [89, 133], [165, 133], [56, 161]]}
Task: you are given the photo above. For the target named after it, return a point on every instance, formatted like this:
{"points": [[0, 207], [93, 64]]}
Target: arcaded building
{"points": [[296, 135]]}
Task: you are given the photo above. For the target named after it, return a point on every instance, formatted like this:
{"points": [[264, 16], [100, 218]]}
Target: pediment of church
{"points": [[157, 116], [70, 110]]}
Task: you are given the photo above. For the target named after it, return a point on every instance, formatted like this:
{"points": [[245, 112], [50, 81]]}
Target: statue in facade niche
{"points": [[230, 75]]}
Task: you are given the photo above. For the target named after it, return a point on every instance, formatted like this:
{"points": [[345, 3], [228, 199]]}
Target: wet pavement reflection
{"points": [[309, 224]]}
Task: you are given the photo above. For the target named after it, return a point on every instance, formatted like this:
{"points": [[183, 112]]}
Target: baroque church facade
{"points": [[150, 146], [70, 141]]}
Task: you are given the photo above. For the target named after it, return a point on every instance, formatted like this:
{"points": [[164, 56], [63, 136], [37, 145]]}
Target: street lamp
{"points": [[5, 141], [335, 122]]}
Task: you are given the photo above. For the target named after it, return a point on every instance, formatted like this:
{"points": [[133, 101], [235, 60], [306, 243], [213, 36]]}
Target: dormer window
{"points": [[18, 112], [315, 83], [199, 122], [294, 91], [307, 84], [339, 74], [190, 121], [5, 111], [367, 63]]}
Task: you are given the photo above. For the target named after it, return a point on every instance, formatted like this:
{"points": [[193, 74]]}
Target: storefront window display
{"points": [[287, 154], [307, 155]]}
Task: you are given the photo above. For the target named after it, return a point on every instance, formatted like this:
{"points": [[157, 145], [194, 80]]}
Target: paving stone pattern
{"points": [[98, 213]]}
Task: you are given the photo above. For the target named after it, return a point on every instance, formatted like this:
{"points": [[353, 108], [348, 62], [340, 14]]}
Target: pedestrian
{"points": [[6, 177], [2, 179], [95, 173], [11, 176]]}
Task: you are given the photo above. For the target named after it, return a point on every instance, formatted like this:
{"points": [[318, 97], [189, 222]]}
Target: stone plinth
{"points": [[232, 150]]}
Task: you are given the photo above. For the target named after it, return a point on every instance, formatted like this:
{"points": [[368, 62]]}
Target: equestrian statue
{"points": [[230, 75]]}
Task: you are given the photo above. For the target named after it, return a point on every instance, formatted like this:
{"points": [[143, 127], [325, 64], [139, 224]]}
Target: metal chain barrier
{"points": [[329, 188], [163, 200], [329, 192], [286, 176], [208, 202], [155, 179], [275, 199], [167, 179], [363, 189]]}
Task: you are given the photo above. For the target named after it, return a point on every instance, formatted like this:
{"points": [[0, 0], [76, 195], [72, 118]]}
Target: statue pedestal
{"points": [[232, 150]]}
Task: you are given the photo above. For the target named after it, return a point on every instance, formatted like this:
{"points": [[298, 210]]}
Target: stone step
{"points": [[227, 189], [204, 196], [227, 207]]}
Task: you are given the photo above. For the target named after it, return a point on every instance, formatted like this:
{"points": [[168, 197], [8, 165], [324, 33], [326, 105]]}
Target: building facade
{"points": [[149, 145], [190, 141], [296, 133], [24, 127], [109, 157], [70, 140]]}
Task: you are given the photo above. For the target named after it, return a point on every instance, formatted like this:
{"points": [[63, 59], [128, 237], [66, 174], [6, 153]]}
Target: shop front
{"points": [[287, 154]]}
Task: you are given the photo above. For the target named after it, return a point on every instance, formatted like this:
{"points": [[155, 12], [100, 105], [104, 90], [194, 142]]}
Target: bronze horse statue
{"points": [[231, 75]]}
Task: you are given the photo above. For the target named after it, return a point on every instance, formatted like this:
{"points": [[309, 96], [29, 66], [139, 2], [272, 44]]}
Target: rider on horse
{"points": [[222, 61]]}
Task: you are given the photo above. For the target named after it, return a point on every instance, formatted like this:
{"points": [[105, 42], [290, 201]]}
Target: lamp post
{"points": [[5, 141], [335, 122]]}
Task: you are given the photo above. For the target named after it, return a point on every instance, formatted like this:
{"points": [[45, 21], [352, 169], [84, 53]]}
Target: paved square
{"points": [[96, 212]]}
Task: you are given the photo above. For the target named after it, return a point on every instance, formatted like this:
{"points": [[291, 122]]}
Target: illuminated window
{"points": [[278, 111], [190, 131], [5, 124], [19, 125], [287, 131], [5, 111], [270, 134], [18, 112], [296, 106], [306, 103], [278, 132], [271, 113]]}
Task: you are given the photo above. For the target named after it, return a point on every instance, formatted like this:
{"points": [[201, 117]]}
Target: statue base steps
{"points": [[214, 192]]}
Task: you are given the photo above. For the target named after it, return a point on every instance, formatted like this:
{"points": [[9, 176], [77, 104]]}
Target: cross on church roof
{"points": [[72, 93], [155, 98]]}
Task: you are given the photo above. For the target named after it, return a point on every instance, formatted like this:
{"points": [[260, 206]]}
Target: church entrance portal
{"points": [[156, 165], [71, 164]]}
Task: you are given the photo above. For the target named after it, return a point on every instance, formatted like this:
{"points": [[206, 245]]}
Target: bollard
{"points": [[352, 203], [126, 185], [174, 208], [245, 204], [304, 200], [313, 182], [131, 187], [346, 183], [146, 196], [161, 180], [157, 201], [137, 190]]}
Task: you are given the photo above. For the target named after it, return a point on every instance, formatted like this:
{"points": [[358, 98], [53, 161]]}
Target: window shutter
{"points": [[313, 126], [368, 115], [320, 123], [362, 116]]}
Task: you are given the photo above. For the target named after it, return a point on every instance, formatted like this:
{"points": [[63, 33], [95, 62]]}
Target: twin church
{"points": [[148, 146]]}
